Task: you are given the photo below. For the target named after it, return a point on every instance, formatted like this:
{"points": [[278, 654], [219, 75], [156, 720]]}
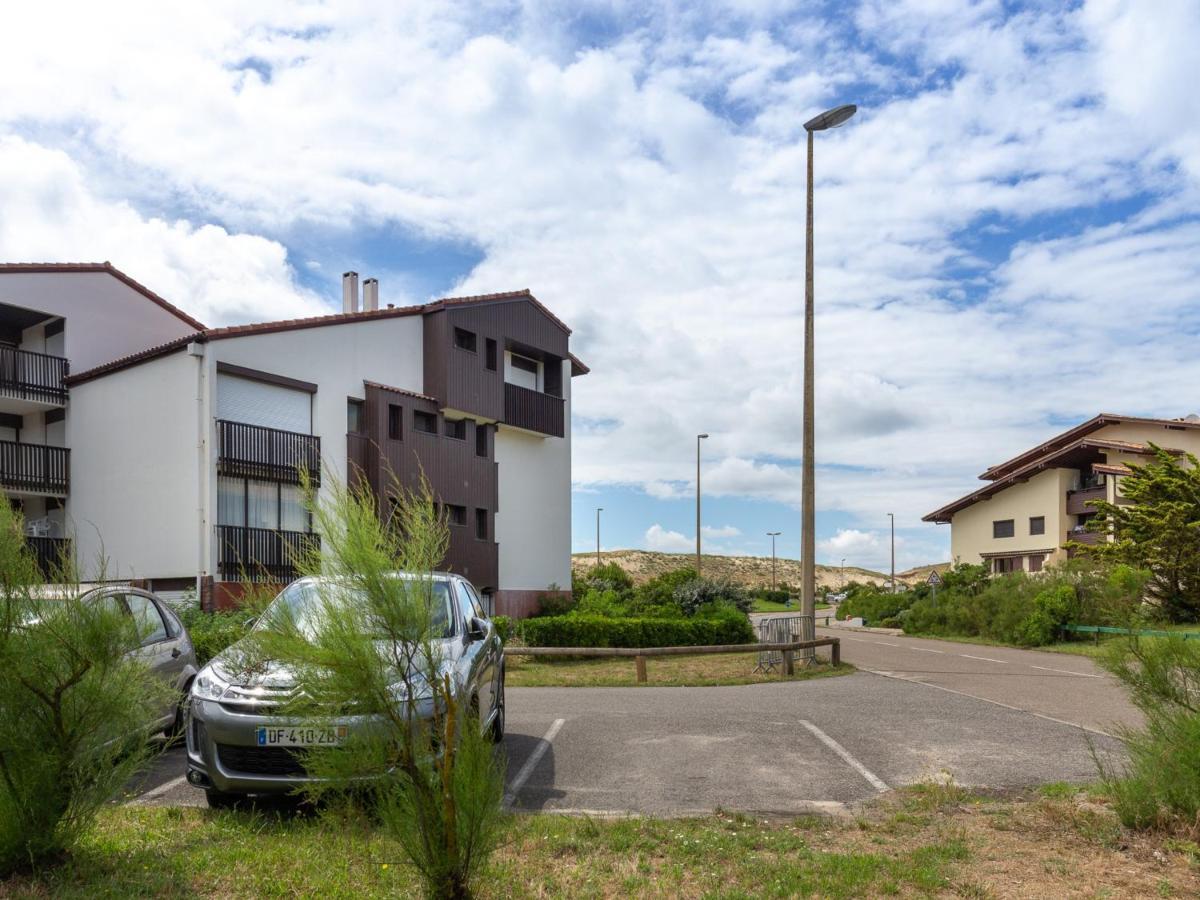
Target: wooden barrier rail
{"points": [[640, 654]]}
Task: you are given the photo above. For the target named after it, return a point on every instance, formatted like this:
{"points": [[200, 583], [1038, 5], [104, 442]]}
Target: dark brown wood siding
{"points": [[456, 474]]}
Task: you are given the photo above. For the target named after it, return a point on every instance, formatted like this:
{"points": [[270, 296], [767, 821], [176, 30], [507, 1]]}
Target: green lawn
{"points": [[767, 606], [1084, 645], [661, 671], [927, 841]]}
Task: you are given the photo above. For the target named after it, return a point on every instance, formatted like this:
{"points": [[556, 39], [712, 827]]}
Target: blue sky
{"points": [[1007, 237]]}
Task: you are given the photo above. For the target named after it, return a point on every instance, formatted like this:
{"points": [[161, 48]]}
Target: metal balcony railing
{"points": [[35, 468], [255, 451], [33, 376], [51, 554], [262, 554]]}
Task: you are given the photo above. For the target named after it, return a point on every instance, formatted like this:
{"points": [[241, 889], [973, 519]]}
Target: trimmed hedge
{"points": [[599, 631]]}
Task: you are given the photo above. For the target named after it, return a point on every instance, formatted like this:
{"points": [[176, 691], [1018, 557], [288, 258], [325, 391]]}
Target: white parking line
{"points": [[841, 751], [926, 650], [530, 764], [1065, 671], [984, 658], [164, 788], [885, 643]]}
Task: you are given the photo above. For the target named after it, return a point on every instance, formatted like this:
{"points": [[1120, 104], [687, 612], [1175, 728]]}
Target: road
{"points": [[1058, 686], [983, 716]]}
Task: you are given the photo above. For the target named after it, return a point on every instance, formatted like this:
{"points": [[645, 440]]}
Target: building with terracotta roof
{"points": [[1035, 502], [185, 444]]}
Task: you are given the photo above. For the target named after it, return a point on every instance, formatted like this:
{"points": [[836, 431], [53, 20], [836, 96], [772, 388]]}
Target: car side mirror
{"points": [[476, 629]]}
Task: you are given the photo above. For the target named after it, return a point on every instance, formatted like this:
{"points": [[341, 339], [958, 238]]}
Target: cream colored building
{"points": [[1035, 502]]}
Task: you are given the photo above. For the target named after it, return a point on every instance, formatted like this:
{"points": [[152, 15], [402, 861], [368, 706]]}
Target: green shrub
{"points": [[600, 603], [1052, 609], [212, 632], [606, 577], [659, 591], [555, 604], [1159, 783], [503, 625], [873, 604], [75, 705], [692, 595], [773, 596], [718, 626]]}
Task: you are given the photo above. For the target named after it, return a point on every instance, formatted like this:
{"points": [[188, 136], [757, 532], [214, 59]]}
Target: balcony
{"points": [[50, 553], [253, 451], [262, 554], [533, 410], [1086, 537], [31, 381], [35, 469], [1077, 501]]}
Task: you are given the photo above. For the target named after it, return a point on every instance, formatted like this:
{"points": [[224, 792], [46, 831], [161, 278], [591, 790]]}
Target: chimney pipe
{"points": [[350, 292], [371, 294]]}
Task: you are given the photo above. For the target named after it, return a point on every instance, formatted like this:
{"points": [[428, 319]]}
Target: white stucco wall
{"points": [[533, 526], [1045, 494], [135, 494], [106, 319]]}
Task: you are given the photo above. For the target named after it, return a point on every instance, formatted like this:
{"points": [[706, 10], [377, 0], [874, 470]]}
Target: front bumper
{"points": [[223, 752]]}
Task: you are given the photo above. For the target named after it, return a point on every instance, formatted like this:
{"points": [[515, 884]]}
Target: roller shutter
{"points": [[259, 403]]}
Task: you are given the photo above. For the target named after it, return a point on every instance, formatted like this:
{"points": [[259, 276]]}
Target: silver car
{"points": [[238, 743], [164, 646]]}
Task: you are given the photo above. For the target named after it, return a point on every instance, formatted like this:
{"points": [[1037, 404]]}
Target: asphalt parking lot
{"points": [[779, 748]]}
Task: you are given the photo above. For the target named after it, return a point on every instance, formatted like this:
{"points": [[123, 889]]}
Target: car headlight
{"points": [[209, 685]]}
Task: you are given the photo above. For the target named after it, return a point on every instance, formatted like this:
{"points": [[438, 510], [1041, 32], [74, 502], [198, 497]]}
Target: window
{"points": [[481, 436], [425, 421], [456, 515], [456, 428], [1003, 528], [481, 524], [491, 354], [147, 618], [231, 501], [1002, 565], [522, 371], [356, 420], [469, 603], [1037, 524], [293, 515], [464, 340], [395, 422], [261, 504], [1035, 561]]}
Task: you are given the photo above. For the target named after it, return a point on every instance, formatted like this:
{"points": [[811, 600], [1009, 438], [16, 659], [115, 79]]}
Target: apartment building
{"points": [[1035, 502], [187, 449], [55, 318]]}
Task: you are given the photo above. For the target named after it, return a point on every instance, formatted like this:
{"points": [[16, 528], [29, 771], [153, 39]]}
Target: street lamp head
{"points": [[831, 118], [701, 436], [599, 509], [774, 533]]}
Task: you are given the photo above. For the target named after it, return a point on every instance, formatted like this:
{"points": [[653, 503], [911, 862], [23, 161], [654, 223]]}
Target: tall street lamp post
{"points": [[772, 535], [599, 509], [831, 118], [699, 438], [892, 516]]}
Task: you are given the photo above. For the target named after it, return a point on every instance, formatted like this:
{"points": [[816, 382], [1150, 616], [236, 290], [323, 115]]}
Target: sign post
{"points": [[933, 581]]}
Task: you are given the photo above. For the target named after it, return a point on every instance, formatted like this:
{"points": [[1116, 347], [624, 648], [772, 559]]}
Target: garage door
{"points": [[259, 403]]}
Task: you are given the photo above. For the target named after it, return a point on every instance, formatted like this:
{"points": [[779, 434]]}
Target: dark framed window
{"points": [[456, 515], [1035, 561], [395, 422], [456, 428], [490, 347], [425, 421], [481, 529], [261, 504], [481, 439], [524, 363], [1002, 565], [464, 340], [1037, 524], [356, 418], [1003, 528]]}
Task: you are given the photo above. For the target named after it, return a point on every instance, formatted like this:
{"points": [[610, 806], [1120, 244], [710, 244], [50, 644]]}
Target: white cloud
{"points": [[725, 531], [650, 190], [659, 538]]}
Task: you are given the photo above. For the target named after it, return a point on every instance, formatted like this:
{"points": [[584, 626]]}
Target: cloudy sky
{"points": [[1008, 237]]}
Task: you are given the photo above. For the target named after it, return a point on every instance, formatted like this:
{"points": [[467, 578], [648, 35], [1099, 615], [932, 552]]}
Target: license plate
{"points": [[301, 736]]}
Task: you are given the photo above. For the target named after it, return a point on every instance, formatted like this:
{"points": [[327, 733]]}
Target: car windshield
{"points": [[303, 602]]}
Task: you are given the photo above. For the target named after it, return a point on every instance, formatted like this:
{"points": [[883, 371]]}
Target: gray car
{"points": [[164, 646], [238, 743]]}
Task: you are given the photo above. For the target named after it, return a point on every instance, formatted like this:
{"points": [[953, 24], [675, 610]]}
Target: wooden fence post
{"points": [[835, 653], [641, 668], [788, 666]]}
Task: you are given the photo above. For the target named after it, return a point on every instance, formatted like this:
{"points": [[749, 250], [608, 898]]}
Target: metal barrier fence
{"points": [[784, 630]]}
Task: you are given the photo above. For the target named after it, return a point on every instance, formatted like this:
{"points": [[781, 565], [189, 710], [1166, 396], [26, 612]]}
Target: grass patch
{"points": [[769, 606], [934, 839], [661, 671]]}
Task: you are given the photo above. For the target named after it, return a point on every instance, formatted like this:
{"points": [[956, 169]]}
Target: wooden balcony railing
{"points": [[51, 554], [533, 410], [1078, 501], [254, 451], [261, 554], [33, 376], [35, 468], [1086, 537]]}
